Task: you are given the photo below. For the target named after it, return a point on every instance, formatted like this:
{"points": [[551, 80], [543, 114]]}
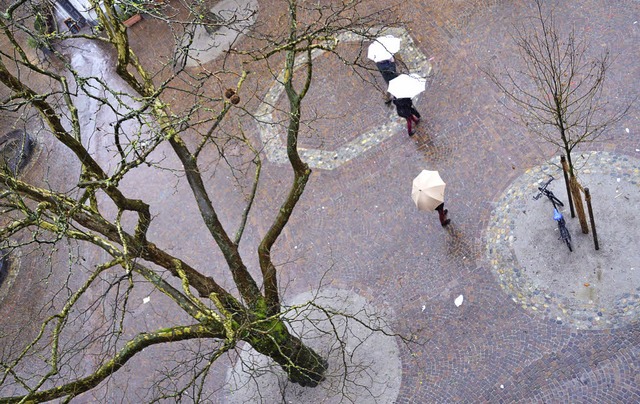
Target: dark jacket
{"points": [[405, 108], [388, 70]]}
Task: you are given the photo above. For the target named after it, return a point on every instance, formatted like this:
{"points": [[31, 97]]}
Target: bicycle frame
{"points": [[562, 227], [542, 190], [557, 216]]}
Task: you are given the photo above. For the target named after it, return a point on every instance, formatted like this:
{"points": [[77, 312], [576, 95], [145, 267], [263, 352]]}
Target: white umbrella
{"points": [[407, 86], [428, 190], [383, 48]]}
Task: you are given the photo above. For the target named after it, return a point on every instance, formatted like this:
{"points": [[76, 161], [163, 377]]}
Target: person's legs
{"points": [[409, 121], [442, 214]]}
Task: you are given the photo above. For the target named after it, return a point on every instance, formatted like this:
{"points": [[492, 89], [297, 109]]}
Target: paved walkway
{"points": [[358, 222], [357, 226]]}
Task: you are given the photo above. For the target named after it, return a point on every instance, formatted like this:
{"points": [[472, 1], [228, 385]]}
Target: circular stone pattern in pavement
{"points": [[364, 365], [587, 289]]}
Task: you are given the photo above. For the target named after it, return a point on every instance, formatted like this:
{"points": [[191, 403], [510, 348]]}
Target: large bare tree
{"points": [[94, 212]]}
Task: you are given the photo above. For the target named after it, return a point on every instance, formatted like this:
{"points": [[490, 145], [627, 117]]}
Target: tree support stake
{"points": [[587, 197]]}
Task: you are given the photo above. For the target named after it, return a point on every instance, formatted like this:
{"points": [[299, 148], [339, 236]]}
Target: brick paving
{"points": [[359, 221], [358, 224]]}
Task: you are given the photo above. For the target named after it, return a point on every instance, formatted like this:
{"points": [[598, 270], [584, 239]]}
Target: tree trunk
{"points": [[302, 364], [577, 201]]}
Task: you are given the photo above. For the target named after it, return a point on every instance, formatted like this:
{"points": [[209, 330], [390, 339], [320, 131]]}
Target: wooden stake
{"points": [[587, 197]]}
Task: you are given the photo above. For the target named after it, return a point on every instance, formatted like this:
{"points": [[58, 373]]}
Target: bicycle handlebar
{"points": [[543, 188]]}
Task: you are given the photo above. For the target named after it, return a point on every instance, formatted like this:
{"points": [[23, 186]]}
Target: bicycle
{"points": [[544, 191], [557, 216]]}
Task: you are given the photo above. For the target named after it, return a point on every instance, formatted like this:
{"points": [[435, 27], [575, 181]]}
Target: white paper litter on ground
{"points": [[458, 300]]}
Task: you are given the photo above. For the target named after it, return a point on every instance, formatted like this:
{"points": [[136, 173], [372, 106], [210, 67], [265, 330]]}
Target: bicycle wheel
{"points": [[568, 241], [565, 235]]}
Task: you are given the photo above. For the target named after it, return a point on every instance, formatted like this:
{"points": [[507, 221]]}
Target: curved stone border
{"points": [[274, 144], [499, 239]]}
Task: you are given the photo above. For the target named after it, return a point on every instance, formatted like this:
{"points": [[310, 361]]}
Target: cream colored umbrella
{"points": [[428, 190]]}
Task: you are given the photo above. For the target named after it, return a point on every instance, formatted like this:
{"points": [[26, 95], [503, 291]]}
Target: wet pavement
{"points": [[357, 227]]}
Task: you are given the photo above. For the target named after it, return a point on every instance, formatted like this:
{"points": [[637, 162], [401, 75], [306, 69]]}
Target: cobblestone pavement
{"points": [[589, 289], [358, 220], [357, 226]]}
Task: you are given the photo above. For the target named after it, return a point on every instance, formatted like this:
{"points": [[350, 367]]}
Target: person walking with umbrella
{"points": [[406, 110], [403, 88], [442, 214], [388, 70], [381, 51], [428, 194]]}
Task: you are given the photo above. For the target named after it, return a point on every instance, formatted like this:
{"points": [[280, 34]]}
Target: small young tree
{"points": [[557, 93]]}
